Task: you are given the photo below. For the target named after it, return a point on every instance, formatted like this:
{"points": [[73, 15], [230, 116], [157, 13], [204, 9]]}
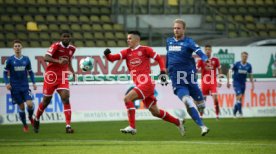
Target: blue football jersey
{"points": [[18, 68], [179, 55], [240, 71]]}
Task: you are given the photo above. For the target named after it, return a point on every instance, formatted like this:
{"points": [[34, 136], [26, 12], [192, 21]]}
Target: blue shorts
{"points": [[20, 96], [187, 89], [239, 88]]}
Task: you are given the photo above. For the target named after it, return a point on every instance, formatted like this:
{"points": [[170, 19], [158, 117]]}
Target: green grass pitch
{"points": [[233, 136]]}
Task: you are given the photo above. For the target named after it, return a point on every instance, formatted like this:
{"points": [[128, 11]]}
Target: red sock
{"points": [[67, 113], [201, 114], [216, 107], [167, 117], [40, 110], [131, 113]]}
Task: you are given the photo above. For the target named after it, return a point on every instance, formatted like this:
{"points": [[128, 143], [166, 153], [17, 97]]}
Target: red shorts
{"points": [[146, 92], [209, 89], [49, 88]]}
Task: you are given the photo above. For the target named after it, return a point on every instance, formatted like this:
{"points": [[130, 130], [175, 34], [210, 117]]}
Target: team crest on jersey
{"points": [[139, 53], [135, 61]]}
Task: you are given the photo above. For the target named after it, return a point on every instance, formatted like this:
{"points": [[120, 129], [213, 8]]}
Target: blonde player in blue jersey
{"points": [[241, 69], [19, 67], [182, 71]]}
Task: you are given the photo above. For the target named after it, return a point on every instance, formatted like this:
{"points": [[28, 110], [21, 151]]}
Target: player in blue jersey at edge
{"points": [[19, 67], [240, 71], [181, 69]]}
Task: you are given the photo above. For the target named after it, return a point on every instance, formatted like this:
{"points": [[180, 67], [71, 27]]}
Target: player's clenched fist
{"points": [[107, 52]]}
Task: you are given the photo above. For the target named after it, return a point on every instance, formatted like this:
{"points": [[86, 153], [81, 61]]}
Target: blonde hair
{"points": [[180, 21]]}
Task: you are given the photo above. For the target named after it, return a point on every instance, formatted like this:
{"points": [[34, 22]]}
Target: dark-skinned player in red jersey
{"points": [[59, 57], [138, 62]]}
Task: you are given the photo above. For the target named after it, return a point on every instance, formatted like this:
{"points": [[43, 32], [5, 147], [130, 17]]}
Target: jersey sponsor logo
{"points": [[135, 61], [19, 68], [174, 48], [242, 71]]}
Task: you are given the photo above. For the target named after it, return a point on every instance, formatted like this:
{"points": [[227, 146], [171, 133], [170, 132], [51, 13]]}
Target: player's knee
{"points": [[187, 101], [127, 99], [154, 112]]}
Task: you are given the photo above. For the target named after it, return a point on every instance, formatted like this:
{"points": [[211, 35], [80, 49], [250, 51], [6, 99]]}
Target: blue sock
{"points": [[195, 116], [22, 116], [30, 112], [240, 108]]}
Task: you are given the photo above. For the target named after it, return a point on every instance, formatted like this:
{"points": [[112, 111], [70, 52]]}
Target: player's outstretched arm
{"points": [[111, 57]]}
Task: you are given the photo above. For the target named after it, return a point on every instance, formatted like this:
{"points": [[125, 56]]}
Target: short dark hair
{"points": [[208, 46], [244, 52], [17, 41], [65, 32], [135, 32]]}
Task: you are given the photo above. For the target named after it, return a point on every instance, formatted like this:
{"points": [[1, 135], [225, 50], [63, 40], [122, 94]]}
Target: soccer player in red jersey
{"points": [[209, 77], [138, 62], [59, 56]]}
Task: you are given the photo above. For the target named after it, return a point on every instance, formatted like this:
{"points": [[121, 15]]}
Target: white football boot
{"points": [[204, 130], [129, 130], [181, 127]]}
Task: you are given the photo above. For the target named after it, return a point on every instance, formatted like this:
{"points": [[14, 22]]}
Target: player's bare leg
{"points": [[65, 95], [129, 98], [166, 116], [216, 105], [30, 109], [22, 117], [42, 106]]}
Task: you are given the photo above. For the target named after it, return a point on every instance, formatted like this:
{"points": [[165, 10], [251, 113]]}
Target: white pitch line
{"points": [[133, 142]]}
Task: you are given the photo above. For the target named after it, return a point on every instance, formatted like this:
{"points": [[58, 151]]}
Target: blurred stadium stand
{"points": [[102, 23]]}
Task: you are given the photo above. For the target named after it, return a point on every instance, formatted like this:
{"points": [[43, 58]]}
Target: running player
{"points": [[59, 56], [182, 71], [138, 62]]}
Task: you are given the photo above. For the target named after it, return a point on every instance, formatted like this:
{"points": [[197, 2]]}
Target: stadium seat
{"points": [[270, 26], [109, 35], [10, 36], [263, 34], [272, 33], [249, 2], [27, 18], [94, 19], [233, 10], [104, 3], [33, 35], [2, 44], [219, 18], [107, 27], [42, 10], [39, 18], [84, 19], [22, 36], [88, 36], [262, 10], [121, 43], [64, 10], [32, 10], [45, 43], [243, 34], [232, 34], [86, 27], [259, 2], [52, 2], [77, 36], [44, 36], [9, 27], [62, 2], [230, 2], [231, 26], [97, 27], [62, 18], [260, 26], [93, 2], [240, 2], [53, 27], [111, 44], [78, 43], [55, 36], [98, 35], [105, 10], [118, 27], [269, 2], [22, 10], [243, 10], [220, 27], [208, 18], [75, 27], [16, 18], [238, 18], [5, 18], [51, 18], [249, 19], [95, 10], [84, 2], [64, 27], [120, 35], [105, 19], [20, 27], [100, 43], [73, 19], [32, 26], [90, 44], [85, 10], [223, 10], [252, 10], [10, 10], [53, 10], [19, 2], [34, 44]]}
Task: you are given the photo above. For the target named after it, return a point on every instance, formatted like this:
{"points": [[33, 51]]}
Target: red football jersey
{"points": [[57, 51], [138, 62], [208, 74]]}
